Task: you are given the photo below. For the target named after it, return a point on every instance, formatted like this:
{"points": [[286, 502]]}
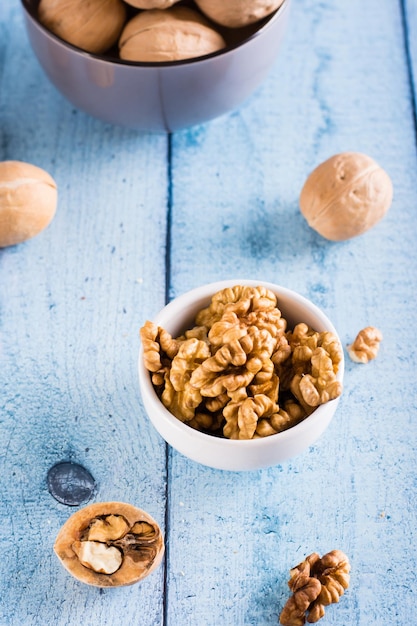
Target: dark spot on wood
{"points": [[70, 483]]}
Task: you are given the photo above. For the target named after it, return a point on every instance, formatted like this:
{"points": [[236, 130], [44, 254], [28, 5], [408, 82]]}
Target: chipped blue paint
{"points": [[225, 197]]}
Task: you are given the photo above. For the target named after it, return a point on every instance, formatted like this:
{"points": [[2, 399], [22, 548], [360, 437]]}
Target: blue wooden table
{"points": [[143, 218]]}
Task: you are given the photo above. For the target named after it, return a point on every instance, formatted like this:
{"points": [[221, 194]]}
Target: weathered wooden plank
{"points": [[341, 83], [71, 304], [410, 18]]}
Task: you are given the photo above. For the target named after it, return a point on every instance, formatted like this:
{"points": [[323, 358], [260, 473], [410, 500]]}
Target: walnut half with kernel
{"points": [[110, 544]]}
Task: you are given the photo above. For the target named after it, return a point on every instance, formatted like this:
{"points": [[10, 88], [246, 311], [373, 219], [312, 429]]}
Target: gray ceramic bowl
{"points": [[160, 97]]}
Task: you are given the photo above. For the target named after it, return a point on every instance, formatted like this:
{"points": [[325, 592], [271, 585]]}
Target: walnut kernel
{"points": [[345, 196], [366, 345], [315, 583], [98, 556]]}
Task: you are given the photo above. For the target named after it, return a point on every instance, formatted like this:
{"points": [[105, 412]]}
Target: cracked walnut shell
{"points": [[110, 544], [345, 196]]}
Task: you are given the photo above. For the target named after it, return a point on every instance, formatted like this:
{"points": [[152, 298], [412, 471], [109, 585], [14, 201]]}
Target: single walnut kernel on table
{"points": [[240, 372], [315, 583], [110, 544], [366, 345]]}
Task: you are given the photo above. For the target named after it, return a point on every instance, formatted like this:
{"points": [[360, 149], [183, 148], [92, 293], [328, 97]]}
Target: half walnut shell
{"points": [[110, 544]]}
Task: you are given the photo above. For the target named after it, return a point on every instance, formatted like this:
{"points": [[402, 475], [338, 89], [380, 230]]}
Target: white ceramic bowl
{"points": [[229, 454]]}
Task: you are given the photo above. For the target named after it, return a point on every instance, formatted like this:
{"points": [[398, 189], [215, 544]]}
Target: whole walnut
{"points": [[168, 35], [345, 196], [28, 199], [237, 13], [94, 26]]}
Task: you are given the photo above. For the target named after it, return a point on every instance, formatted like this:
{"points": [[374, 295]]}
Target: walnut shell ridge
{"points": [[345, 196]]}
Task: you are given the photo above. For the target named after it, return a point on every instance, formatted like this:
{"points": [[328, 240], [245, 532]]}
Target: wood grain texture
{"points": [[72, 301], [410, 27], [225, 196], [338, 85]]}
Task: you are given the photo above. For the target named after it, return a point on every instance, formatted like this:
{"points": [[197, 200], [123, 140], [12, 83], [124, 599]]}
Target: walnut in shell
{"points": [[28, 199], [168, 35], [94, 26], [345, 196], [237, 13], [110, 544]]}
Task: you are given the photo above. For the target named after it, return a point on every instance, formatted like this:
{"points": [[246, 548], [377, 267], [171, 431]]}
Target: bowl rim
{"points": [[278, 438], [112, 60]]}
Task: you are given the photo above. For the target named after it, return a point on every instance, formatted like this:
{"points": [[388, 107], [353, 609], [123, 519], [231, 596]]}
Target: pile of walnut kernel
{"points": [[315, 583], [239, 372]]}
